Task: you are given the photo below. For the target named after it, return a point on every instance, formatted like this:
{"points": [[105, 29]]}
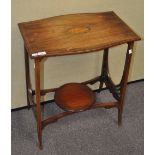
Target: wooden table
{"points": [[76, 34]]}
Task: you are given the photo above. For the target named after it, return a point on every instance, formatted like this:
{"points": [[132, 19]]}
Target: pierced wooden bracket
{"points": [[104, 69], [115, 90], [105, 77]]}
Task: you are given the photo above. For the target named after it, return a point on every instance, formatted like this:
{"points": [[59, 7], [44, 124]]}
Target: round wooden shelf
{"points": [[74, 97]]}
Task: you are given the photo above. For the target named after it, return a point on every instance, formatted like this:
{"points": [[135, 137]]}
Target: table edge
{"points": [[78, 51]]}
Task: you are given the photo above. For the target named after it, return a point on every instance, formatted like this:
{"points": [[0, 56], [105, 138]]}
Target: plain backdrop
{"points": [[76, 68]]}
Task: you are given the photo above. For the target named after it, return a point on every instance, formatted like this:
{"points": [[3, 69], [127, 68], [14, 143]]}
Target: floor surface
{"points": [[93, 132]]}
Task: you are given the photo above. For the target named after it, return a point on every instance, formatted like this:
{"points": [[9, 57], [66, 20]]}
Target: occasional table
{"points": [[76, 34]]}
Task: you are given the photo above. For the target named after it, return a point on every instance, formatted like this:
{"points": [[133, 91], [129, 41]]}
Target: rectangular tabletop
{"points": [[74, 34]]}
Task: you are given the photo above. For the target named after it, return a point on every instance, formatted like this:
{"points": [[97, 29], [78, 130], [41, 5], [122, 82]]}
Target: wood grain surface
{"points": [[74, 97], [75, 33]]}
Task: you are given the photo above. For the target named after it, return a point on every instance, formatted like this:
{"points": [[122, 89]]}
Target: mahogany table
{"points": [[76, 34]]}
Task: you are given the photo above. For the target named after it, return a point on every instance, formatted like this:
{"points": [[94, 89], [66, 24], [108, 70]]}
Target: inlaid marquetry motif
{"points": [[77, 30]]}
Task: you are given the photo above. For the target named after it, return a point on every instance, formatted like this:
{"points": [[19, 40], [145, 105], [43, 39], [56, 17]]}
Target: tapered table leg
{"points": [[38, 110], [124, 80], [27, 73]]}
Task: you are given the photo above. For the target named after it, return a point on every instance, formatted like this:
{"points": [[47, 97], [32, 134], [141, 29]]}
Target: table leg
{"points": [[104, 69], [38, 110], [27, 73], [124, 80]]}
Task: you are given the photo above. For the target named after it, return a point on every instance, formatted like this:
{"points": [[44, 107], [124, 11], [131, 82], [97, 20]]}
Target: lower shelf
{"points": [[74, 97]]}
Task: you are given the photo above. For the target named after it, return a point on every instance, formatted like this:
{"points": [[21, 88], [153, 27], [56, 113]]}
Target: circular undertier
{"points": [[74, 97]]}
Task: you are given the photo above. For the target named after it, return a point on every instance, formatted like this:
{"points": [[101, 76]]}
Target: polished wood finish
{"points": [[104, 69], [37, 85], [54, 118], [27, 75], [123, 83], [76, 33], [74, 97]]}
